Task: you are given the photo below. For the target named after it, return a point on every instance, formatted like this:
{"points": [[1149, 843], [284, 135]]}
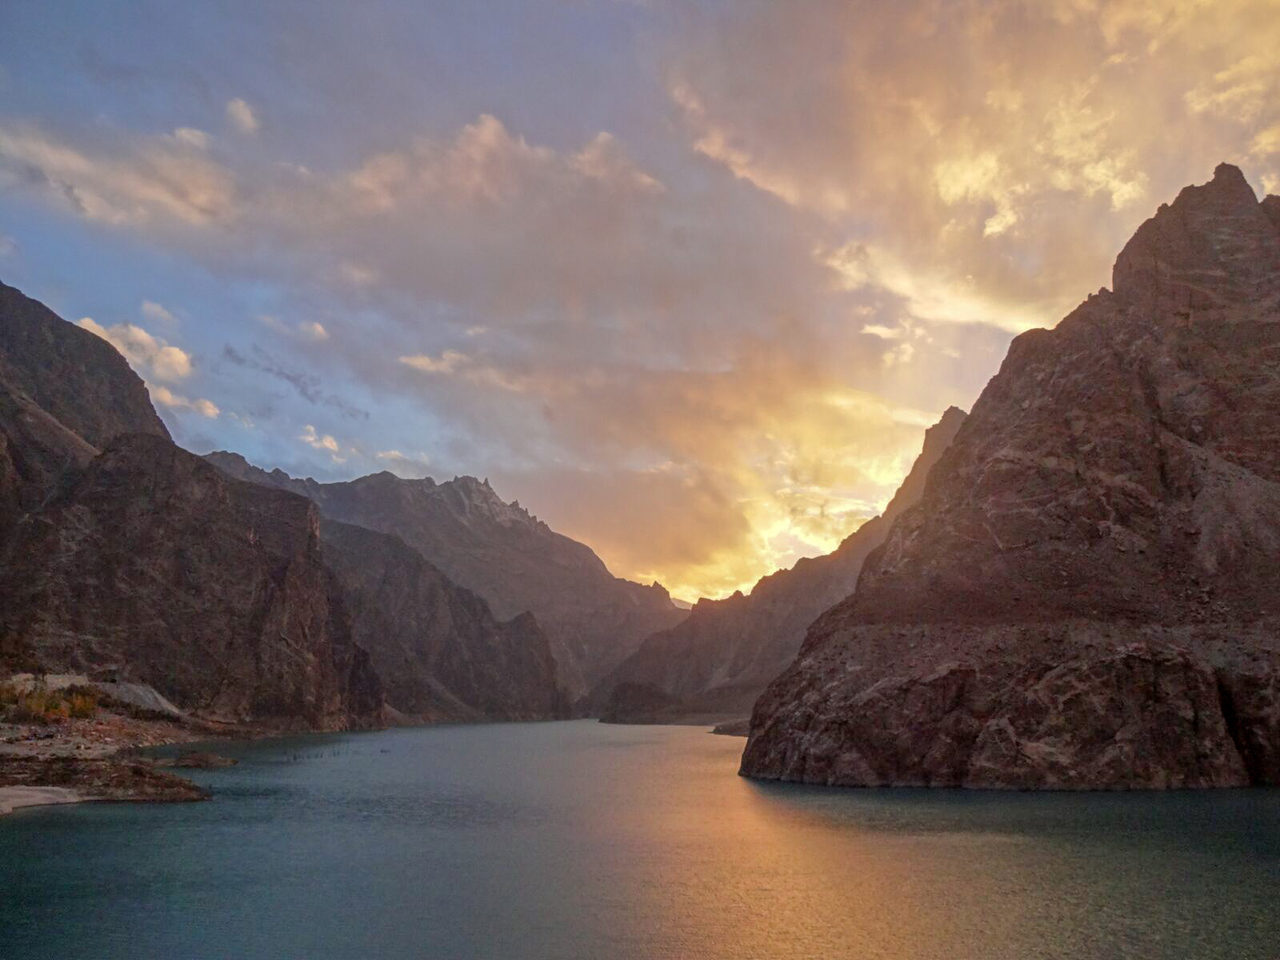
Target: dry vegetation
{"points": [[41, 705]]}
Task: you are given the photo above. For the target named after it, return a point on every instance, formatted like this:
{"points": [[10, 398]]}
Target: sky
{"points": [[688, 280]]}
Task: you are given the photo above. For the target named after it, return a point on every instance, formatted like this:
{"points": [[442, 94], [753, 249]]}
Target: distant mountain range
{"points": [[515, 561]]}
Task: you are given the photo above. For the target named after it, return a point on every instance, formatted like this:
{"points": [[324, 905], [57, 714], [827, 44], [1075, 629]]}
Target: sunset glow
{"points": [[687, 283]]}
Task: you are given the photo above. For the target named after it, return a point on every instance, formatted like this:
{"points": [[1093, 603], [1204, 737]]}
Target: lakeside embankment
{"points": [[67, 739]]}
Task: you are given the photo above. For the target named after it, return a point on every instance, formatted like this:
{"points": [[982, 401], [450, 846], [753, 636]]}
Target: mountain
{"points": [[63, 394], [498, 550], [440, 651], [720, 659], [152, 563], [1087, 594], [121, 553]]}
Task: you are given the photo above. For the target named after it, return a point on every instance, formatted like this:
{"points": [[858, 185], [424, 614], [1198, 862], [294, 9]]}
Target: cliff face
{"points": [[121, 552], [514, 561], [720, 659], [439, 649], [1088, 592], [211, 590]]}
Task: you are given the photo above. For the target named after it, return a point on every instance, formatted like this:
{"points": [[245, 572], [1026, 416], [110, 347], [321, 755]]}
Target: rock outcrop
{"points": [[1088, 593], [720, 659], [498, 550]]}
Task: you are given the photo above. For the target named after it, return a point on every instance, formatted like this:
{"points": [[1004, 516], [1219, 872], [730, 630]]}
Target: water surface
{"points": [[580, 840]]}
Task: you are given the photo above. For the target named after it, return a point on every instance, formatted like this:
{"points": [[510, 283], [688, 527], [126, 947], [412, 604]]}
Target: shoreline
{"points": [[94, 759]]}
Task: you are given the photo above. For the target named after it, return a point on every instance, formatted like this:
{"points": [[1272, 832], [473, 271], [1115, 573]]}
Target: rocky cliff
{"points": [[440, 651], [720, 659], [121, 553], [1088, 593], [63, 394], [151, 564], [498, 550]]}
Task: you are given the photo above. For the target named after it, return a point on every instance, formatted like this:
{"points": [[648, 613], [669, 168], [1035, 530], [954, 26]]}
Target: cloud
{"points": [[242, 116], [730, 317], [157, 313], [314, 440], [304, 329], [994, 157], [7, 245], [167, 398], [309, 386], [325, 443], [154, 358], [144, 182]]}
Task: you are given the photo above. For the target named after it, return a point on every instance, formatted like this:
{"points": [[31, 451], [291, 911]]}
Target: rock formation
{"points": [[63, 394], [1088, 593], [498, 550], [720, 659], [440, 651], [122, 554], [209, 589]]}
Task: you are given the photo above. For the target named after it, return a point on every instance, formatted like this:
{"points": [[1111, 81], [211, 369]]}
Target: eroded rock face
{"points": [[440, 651], [211, 590], [1088, 593], [720, 659], [498, 550]]}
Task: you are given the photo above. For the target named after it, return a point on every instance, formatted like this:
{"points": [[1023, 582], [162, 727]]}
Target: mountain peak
{"points": [[1214, 246]]}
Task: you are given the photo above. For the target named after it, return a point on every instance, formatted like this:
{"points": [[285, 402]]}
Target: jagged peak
{"points": [[1213, 246]]}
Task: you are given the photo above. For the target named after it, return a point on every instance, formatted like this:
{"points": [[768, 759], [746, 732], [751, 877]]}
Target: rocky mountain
{"points": [[440, 651], [720, 659], [1088, 593], [498, 550], [152, 563], [120, 553], [63, 394]]}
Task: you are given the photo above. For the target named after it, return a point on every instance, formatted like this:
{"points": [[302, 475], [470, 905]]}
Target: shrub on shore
{"points": [[41, 705]]}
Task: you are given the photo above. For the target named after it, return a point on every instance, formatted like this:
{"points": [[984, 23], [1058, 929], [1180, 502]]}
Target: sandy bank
{"points": [[11, 798]]}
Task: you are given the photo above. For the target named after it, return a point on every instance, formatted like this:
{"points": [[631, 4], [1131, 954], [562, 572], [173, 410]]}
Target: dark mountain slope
{"points": [[1088, 593], [515, 561]]}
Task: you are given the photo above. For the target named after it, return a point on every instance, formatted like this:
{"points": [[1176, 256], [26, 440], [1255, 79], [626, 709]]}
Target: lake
{"points": [[580, 840]]}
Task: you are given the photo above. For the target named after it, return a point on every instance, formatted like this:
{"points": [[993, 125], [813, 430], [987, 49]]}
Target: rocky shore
{"points": [[50, 755], [73, 760]]}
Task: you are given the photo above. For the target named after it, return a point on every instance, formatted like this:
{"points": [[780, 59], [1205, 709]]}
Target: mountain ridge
{"points": [[501, 552], [1087, 593]]}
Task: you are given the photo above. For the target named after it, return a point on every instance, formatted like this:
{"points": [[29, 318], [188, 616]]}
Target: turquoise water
{"points": [[579, 840]]}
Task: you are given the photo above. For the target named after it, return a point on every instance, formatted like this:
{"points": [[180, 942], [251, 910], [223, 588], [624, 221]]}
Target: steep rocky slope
{"points": [[73, 376], [1088, 593], [438, 648], [720, 659], [515, 561], [120, 552], [211, 590], [63, 394]]}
